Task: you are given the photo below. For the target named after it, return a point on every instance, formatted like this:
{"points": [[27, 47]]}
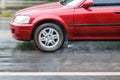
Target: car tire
{"points": [[49, 37]]}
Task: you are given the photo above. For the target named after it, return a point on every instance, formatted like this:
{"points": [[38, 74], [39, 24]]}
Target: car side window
{"points": [[105, 3]]}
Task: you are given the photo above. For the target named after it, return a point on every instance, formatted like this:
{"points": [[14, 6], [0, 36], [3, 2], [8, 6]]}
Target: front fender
{"points": [[56, 18], [49, 17], [53, 18]]}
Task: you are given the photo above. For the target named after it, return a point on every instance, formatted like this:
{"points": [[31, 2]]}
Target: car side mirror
{"points": [[87, 4]]}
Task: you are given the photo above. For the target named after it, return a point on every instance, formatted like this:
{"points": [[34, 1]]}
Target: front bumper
{"points": [[21, 31]]}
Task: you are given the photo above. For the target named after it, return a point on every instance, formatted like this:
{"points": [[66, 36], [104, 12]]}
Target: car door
{"points": [[97, 22]]}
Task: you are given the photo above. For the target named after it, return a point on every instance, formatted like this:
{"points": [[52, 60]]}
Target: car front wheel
{"points": [[49, 37]]}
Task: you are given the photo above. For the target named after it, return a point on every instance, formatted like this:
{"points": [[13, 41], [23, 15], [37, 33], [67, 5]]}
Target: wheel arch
{"points": [[59, 23]]}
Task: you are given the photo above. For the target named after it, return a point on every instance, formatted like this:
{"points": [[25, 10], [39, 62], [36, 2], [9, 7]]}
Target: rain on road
{"points": [[59, 78]]}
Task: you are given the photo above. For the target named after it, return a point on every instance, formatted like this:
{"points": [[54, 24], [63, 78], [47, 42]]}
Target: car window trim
{"points": [[106, 4]]}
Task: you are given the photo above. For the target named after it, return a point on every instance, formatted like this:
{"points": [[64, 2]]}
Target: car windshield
{"points": [[65, 2], [71, 3]]}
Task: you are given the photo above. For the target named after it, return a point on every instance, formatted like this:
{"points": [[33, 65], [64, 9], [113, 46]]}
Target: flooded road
{"points": [[86, 56]]}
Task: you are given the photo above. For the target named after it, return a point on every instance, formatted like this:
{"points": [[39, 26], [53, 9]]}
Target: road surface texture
{"points": [[85, 56], [59, 78]]}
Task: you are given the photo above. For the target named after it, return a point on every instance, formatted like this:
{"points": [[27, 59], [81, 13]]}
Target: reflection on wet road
{"points": [[77, 56], [59, 78]]}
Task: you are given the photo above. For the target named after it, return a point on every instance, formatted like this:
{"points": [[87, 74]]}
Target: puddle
{"points": [[25, 46]]}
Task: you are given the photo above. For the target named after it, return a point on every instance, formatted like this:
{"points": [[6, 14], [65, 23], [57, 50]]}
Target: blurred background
{"points": [[8, 7]]}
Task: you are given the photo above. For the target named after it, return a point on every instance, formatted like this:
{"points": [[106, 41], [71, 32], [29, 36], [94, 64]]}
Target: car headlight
{"points": [[22, 19]]}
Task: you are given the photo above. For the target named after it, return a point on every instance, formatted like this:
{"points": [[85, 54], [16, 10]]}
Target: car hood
{"points": [[40, 7]]}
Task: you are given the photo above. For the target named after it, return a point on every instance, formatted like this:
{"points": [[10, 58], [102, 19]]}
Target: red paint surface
{"points": [[68, 15]]}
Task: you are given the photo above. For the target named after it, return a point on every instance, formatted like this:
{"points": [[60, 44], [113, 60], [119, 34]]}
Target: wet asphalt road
{"points": [[60, 78], [86, 56]]}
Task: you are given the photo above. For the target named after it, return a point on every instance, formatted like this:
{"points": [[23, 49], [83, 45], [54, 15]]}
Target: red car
{"points": [[49, 25]]}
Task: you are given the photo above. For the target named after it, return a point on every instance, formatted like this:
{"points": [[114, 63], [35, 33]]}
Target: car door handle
{"points": [[117, 12]]}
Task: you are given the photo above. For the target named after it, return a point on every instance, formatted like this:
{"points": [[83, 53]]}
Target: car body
{"points": [[76, 19]]}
